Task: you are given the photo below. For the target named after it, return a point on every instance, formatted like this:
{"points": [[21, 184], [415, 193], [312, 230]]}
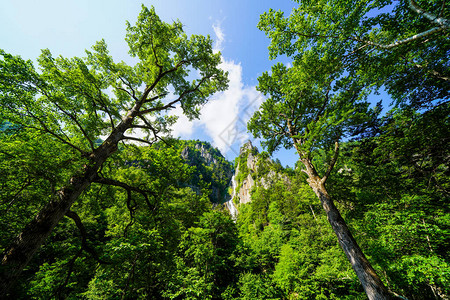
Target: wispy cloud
{"points": [[220, 37]]}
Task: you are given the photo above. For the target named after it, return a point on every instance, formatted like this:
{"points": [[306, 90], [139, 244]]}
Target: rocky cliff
{"points": [[254, 169]]}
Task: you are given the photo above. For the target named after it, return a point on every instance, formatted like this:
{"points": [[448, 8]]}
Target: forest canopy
{"points": [[99, 200]]}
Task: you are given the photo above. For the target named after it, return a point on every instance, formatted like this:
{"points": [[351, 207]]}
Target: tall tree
{"points": [[311, 108], [77, 101], [341, 48]]}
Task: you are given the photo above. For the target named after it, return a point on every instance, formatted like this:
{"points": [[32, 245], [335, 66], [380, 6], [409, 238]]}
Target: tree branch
{"points": [[84, 246], [137, 126], [407, 40], [130, 275], [69, 272], [332, 162], [133, 95], [441, 22], [47, 130], [127, 187], [432, 72], [137, 140], [442, 8], [15, 197], [435, 19], [325, 103], [74, 119], [160, 108], [172, 103], [156, 97]]}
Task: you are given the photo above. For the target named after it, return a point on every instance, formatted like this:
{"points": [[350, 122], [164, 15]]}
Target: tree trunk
{"points": [[372, 284], [19, 253]]}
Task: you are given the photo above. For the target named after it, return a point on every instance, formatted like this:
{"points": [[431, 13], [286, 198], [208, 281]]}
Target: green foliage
{"points": [[210, 166], [381, 42], [292, 251], [242, 169], [154, 233], [57, 119], [256, 286], [205, 267], [33, 167], [308, 105], [339, 57], [396, 186]]}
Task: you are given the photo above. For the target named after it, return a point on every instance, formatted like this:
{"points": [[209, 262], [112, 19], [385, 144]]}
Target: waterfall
{"points": [[230, 204]]}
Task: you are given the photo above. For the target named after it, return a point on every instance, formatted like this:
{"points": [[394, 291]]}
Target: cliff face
{"points": [[254, 169], [202, 150], [211, 167]]}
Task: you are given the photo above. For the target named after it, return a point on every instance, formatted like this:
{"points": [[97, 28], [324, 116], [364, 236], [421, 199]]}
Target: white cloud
{"points": [[183, 127], [220, 114], [223, 118], [220, 37]]}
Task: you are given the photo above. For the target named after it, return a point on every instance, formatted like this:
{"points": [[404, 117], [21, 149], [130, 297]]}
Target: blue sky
{"points": [[69, 27]]}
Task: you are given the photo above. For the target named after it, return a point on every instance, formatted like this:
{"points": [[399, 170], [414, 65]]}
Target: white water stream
{"points": [[230, 204]]}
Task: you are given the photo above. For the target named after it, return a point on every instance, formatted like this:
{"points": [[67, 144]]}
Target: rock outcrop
{"points": [[245, 189], [257, 170]]}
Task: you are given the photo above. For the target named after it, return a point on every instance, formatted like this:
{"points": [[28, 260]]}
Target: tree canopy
{"points": [[97, 200], [76, 102], [402, 46], [342, 51]]}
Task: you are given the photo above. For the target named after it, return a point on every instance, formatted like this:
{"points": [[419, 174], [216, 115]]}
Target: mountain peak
{"points": [[248, 146]]}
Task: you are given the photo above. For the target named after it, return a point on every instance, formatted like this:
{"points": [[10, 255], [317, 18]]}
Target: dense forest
{"points": [[99, 201]]}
